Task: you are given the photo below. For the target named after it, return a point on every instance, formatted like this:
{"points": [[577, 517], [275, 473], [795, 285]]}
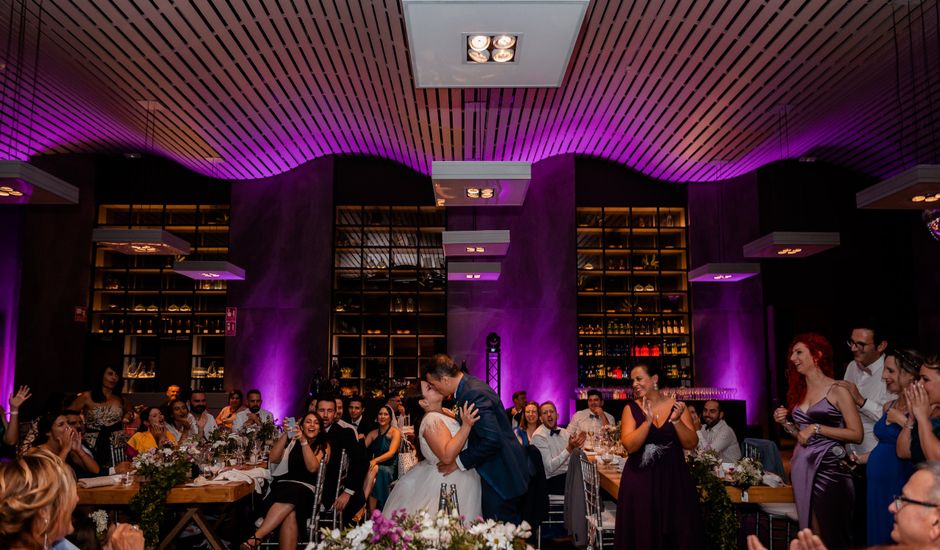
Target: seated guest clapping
{"points": [[57, 437], [203, 423], [555, 446], [254, 415], [181, 423], [298, 456], [153, 433], [592, 419], [716, 435]]}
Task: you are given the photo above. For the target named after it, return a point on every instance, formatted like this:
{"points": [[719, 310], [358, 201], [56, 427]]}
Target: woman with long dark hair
{"points": [[152, 435], [824, 419], [382, 445], [290, 501], [104, 409], [57, 437], [920, 437], [528, 422]]}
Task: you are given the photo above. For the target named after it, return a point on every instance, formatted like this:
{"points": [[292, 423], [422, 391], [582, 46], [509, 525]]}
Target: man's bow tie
{"points": [[593, 415], [555, 431]]}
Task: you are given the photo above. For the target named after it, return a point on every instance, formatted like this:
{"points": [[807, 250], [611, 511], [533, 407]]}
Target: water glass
{"points": [[128, 479]]}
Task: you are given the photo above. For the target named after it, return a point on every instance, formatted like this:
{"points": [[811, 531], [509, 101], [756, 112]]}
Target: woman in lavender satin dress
{"points": [[825, 419], [657, 507]]}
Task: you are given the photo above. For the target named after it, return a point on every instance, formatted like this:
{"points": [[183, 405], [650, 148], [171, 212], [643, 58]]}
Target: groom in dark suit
{"points": [[492, 448]]}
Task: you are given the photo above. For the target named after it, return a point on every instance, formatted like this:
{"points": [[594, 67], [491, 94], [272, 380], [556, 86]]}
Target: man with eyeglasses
{"points": [[863, 381], [916, 515]]}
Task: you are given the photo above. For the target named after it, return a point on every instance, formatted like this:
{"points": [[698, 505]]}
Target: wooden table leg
{"points": [[192, 515], [214, 541], [180, 525]]}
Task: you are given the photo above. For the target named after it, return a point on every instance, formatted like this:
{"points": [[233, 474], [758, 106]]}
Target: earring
{"points": [[655, 386]]}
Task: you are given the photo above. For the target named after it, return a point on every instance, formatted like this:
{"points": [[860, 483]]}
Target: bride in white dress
{"points": [[441, 439]]}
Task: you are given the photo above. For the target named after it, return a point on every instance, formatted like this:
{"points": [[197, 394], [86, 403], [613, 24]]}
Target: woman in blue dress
{"points": [[382, 445], [887, 473], [528, 423]]}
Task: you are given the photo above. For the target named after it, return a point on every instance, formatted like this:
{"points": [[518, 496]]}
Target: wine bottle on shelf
{"points": [[396, 304]]}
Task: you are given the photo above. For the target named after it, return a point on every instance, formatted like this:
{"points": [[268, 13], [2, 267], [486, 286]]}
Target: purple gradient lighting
{"points": [[10, 268], [210, 271], [723, 272]]}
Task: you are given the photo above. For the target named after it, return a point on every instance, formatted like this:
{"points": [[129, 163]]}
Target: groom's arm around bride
{"points": [[492, 448]]}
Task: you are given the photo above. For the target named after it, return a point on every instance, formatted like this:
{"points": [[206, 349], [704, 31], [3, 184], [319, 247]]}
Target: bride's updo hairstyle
{"points": [[37, 496]]}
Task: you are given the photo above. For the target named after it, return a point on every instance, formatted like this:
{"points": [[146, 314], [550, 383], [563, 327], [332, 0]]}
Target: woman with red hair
{"points": [[824, 419]]}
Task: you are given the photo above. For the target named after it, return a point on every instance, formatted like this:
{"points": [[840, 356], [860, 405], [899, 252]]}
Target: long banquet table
{"points": [[194, 498], [610, 482]]}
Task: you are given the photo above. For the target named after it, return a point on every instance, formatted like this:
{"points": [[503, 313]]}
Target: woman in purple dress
{"points": [[657, 507], [824, 419]]}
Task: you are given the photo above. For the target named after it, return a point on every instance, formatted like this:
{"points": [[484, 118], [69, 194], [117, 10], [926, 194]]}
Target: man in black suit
{"points": [[357, 417], [492, 448], [351, 499]]}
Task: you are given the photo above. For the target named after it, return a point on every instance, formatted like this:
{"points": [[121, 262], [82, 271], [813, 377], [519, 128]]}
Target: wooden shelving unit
{"points": [[389, 309], [633, 294], [141, 302]]}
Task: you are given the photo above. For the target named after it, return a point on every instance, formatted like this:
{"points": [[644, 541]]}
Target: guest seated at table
{"points": [[172, 394], [297, 458], [227, 415], [77, 423], [105, 411], [825, 418], [716, 435], [696, 418], [10, 433], [254, 415], [153, 434], [202, 422], [382, 446], [555, 444], [528, 423], [181, 424], [592, 419], [59, 438]]}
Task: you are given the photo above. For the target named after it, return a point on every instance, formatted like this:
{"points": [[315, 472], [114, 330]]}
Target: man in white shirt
{"points": [[555, 446], [254, 414], [864, 383], [592, 419], [202, 422], [716, 434]]}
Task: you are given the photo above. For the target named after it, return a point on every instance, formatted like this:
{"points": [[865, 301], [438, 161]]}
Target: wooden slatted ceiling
{"points": [[683, 90]]}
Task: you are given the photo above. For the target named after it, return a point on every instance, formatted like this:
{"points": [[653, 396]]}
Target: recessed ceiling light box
{"points": [[209, 270], [23, 183], [152, 242], [723, 272], [476, 243], [469, 183], [472, 271], [913, 189], [790, 244], [529, 41]]}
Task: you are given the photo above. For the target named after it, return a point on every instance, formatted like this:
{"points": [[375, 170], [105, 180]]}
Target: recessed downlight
{"points": [[502, 56], [478, 57], [504, 41], [491, 47], [478, 42]]}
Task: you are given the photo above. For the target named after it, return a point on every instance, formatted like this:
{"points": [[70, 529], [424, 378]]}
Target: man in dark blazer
{"points": [[351, 499], [492, 448], [358, 417]]}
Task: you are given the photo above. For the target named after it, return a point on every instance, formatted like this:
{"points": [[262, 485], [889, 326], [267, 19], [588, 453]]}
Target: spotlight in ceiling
{"points": [[910, 189], [478, 57], [503, 56], [498, 48], [504, 41], [480, 183], [478, 42]]}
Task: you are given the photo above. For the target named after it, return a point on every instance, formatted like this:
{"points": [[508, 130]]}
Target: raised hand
{"points": [[678, 408], [124, 536], [648, 410], [918, 402], [75, 442], [19, 397], [806, 540], [469, 414]]}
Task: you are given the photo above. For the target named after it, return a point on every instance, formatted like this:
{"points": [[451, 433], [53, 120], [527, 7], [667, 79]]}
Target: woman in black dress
{"points": [[657, 507], [289, 503]]}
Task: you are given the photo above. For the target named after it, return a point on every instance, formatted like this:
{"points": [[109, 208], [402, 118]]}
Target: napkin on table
{"points": [[103, 481]]}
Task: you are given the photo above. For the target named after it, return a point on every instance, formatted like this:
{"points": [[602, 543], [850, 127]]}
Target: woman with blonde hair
{"points": [[37, 496]]}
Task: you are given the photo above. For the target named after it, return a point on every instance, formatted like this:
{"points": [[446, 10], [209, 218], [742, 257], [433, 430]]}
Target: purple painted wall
{"points": [[10, 270], [728, 318], [533, 304], [282, 234]]}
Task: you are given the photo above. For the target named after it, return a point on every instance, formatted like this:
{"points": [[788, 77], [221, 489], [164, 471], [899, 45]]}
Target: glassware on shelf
{"points": [[397, 305]]}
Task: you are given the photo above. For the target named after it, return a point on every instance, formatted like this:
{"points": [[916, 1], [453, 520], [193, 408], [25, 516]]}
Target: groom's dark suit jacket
{"points": [[492, 448]]}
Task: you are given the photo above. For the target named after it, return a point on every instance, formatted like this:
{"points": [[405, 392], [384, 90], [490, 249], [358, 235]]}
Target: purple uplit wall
{"points": [[533, 304], [727, 318], [10, 266], [282, 234]]}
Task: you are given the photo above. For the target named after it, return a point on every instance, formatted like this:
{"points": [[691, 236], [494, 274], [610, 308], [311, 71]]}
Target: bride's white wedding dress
{"points": [[421, 486]]}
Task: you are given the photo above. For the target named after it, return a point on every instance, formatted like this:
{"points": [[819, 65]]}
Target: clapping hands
{"points": [[918, 402], [678, 409]]}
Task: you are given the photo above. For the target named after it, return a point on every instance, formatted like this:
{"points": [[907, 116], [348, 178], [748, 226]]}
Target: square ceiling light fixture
{"points": [[790, 244], [723, 273], [491, 43], [23, 183], [914, 189], [209, 270], [472, 271], [468, 183], [476, 243], [146, 242]]}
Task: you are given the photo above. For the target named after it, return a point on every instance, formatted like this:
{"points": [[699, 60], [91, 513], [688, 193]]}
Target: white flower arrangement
{"points": [[747, 472], [100, 519]]}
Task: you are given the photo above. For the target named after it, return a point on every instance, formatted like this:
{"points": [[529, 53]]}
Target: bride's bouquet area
{"points": [[422, 531]]}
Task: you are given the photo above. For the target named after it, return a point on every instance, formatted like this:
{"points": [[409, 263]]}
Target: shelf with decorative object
{"points": [[633, 293], [389, 296], [141, 299]]}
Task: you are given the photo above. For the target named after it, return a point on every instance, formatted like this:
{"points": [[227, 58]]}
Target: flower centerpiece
{"points": [[721, 522], [747, 472], [223, 444], [422, 531], [159, 471], [259, 436], [100, 519]]}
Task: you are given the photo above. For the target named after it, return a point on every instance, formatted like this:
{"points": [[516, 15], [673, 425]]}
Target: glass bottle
{"points": [[396, 304], [410, 305]]}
